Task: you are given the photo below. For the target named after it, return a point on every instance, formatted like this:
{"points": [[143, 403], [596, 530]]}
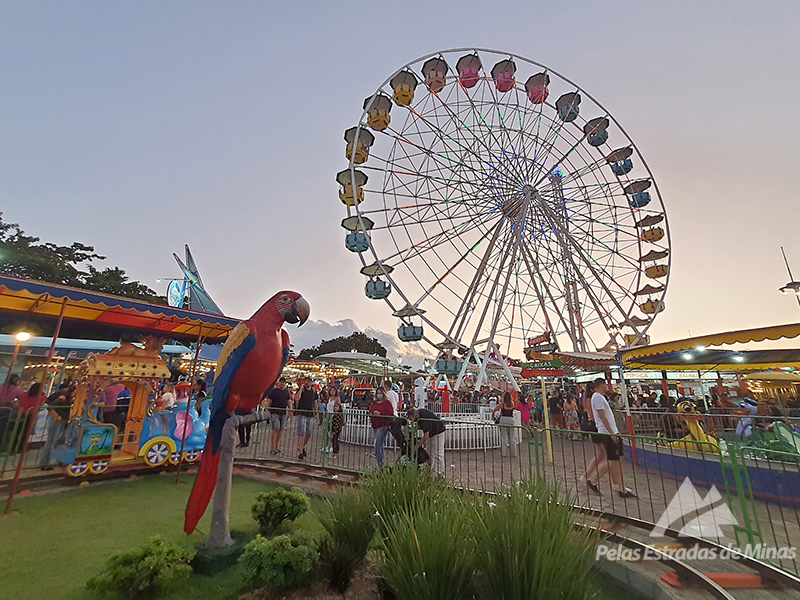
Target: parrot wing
{"points": [[240, 343]]}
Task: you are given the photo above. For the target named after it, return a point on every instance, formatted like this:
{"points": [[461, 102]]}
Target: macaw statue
{"points": [[250, 363], [748, 408]]}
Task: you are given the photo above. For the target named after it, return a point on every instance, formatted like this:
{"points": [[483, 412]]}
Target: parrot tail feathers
{"points": [[204, 485]]}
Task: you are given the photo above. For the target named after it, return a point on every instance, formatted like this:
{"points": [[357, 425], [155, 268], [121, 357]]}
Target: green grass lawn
{"points": [[52, 544]]}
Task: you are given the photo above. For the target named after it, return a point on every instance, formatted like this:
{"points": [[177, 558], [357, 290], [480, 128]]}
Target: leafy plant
{"points": [[144, 570], [276, 506], [430, 551], [403, 490], [348, 519], [527, 547], [282, 561]]}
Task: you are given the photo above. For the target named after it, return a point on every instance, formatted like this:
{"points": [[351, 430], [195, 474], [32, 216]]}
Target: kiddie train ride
{"points": [[92, 444]]}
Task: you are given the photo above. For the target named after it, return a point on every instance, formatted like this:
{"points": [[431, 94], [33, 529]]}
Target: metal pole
{"points": [[27, 433], [623, 390], [546, 411], [189, 402]]}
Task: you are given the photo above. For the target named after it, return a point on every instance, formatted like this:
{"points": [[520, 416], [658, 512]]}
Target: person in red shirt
{"points": [[27, 411], [381, 413]]}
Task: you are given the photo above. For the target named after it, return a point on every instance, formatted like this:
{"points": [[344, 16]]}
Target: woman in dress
{"points": [[571, 415]]}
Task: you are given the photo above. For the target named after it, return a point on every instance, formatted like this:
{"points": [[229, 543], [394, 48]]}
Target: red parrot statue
{"points": [[250, 363]]}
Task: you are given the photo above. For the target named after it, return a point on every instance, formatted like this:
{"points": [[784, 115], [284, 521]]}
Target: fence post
{"points": [[741, 478]]}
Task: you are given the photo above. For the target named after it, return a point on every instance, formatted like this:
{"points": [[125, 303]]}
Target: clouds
{"points": [[313, 332]]}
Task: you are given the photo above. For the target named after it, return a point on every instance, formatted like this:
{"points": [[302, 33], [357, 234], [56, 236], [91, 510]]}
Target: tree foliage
{"points": [[26, 256], [355, 341]]}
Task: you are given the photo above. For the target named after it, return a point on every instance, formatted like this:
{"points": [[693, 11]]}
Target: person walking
{"points": [[433, 429], [503, 413], [556, 413], [245, 431], [278, 402], [337, 423], [306, 405], [393, 397], [612, 442], [571, 421], [381, 413], [591, 476], [524, 409]]}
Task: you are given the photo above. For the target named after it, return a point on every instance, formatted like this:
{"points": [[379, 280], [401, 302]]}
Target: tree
{"points": [[26, 256], [355, 341]]}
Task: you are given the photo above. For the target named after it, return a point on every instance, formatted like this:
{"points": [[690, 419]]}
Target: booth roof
{"points": [[743, 336], [25, 301], [712, 360]]}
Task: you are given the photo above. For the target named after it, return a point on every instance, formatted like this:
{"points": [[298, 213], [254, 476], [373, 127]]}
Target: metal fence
{"points": [[739, 495], [747, 494]]}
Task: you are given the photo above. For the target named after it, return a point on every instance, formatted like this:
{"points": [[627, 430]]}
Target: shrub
{"points": [[348, 519], [144, 570], [430, 552], [282, 561], [276, 506], [527, 547]]}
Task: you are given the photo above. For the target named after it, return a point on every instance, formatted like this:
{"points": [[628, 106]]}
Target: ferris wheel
{"points": [[496, 205]]}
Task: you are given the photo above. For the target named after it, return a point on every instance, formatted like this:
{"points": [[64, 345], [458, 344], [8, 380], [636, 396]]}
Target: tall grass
{"points": [[429, 552], [349, 521], [394, 491], [528, 548]]}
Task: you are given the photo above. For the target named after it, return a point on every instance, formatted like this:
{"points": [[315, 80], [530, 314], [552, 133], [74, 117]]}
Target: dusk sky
{"points": [[138, 127]]}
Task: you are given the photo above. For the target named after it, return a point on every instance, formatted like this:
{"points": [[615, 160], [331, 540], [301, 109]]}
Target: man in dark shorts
{"points": [[278, 402], [607, 428], [306, 404]]}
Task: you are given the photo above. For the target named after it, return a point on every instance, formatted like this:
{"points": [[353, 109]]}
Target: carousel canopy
{"points": [[36, 302]]}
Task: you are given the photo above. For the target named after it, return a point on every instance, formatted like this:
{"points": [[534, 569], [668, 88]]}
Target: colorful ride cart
{"points": [[106, 431]]}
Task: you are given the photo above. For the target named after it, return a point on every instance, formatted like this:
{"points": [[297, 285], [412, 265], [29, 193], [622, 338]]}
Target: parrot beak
{"points": [[299, 312]]}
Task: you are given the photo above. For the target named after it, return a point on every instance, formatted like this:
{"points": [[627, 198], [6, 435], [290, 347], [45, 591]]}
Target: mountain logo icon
{"points": [[698, 516]]}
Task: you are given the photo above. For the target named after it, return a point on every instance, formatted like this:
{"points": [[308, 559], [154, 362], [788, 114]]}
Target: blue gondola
{"points": [[640, 200], [409, 333], [377, 289], [449, 367], [598, 137], [356, 241], [568, 113], [622, 168]]}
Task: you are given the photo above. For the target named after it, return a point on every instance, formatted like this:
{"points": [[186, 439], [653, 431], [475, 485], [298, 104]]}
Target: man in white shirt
{"points": [[391, 395], [607, 428]]}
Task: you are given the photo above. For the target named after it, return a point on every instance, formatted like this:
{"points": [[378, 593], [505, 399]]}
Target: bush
{"points": [[276, 506], [282, 561], [527, 547], [430, 552], [144, 570], [348, 519]]}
